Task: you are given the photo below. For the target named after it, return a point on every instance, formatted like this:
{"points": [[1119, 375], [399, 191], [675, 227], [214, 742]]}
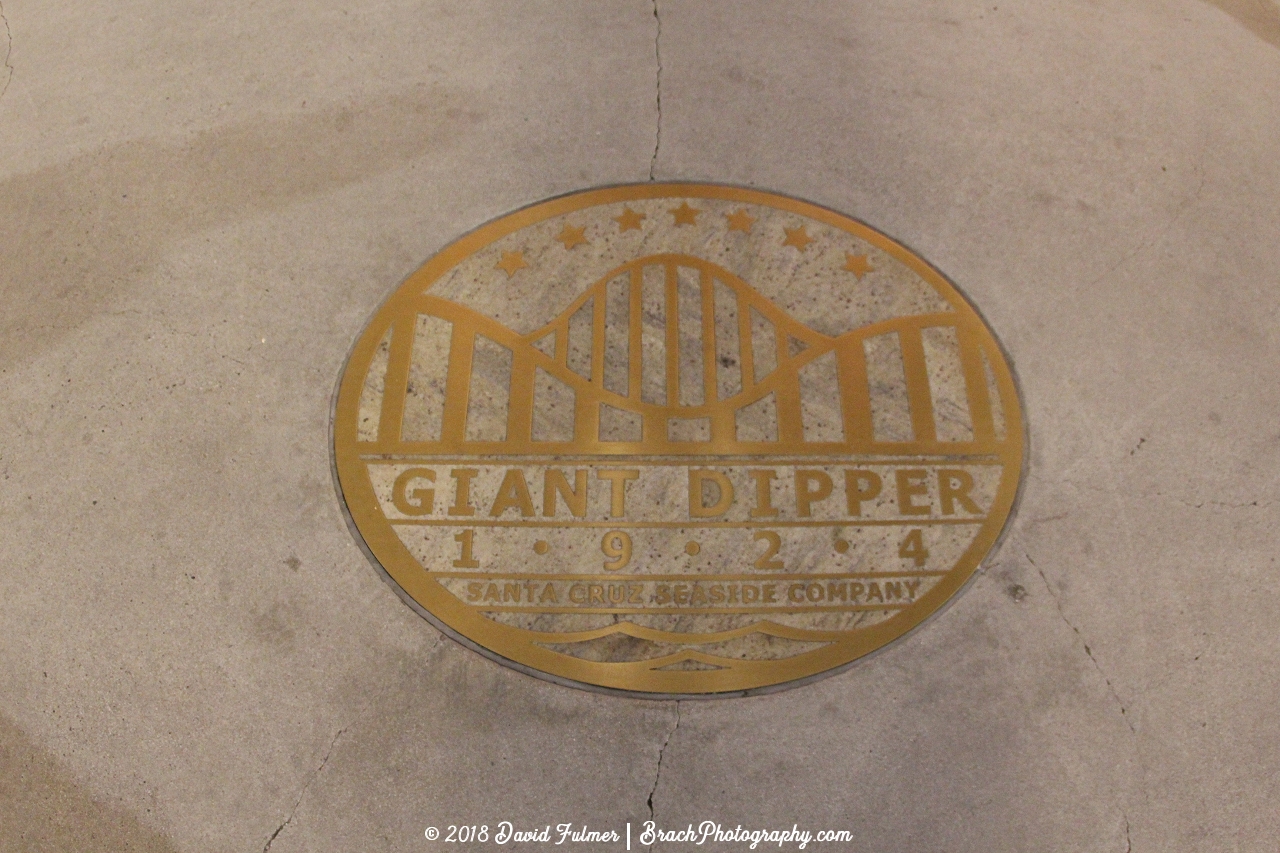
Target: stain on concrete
{"points": [[77, 235], [1260, 17], [277, 625], [42, 808]]}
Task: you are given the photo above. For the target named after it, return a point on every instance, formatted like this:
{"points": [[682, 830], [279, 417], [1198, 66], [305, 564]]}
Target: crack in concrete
{"points": [[1128, 842], [1048, 518], [657, 774], [1224, 504], [1261, 503], [8, 50], [657, 55], [1088, 651], [306, 785]]}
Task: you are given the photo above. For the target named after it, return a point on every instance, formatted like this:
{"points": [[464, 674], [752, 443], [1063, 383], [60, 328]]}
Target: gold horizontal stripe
{"points": [[658, 577], [494, 460], [624, 525], [691, 611]]}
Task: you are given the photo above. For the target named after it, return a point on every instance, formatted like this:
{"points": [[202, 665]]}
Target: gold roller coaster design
{"points": [[698, 345]]}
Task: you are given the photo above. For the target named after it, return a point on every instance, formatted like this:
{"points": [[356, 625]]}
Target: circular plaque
{"points": [[678, 439]]}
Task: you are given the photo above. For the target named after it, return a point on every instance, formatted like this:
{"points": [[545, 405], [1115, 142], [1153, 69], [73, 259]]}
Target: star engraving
{"points": [[857, 264], [512, 262], [628, 220], [740, 221], [571, 236], [797, 237], [684, 214]]}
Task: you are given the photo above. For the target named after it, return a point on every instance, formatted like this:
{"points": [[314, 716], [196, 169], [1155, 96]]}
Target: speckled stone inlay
{"points": [[678, 439]]}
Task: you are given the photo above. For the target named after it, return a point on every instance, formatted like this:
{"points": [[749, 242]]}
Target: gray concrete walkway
{"points": [[202, 204]]}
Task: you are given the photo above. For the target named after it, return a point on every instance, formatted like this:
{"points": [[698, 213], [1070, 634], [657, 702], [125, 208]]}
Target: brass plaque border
{"points": [[636, 679]]}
